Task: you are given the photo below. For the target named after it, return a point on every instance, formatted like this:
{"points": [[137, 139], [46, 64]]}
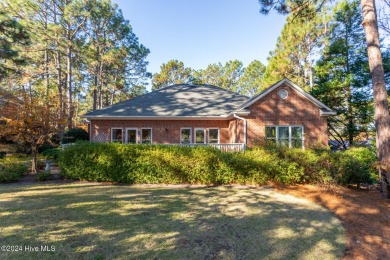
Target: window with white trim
{"points": [[283, 136], [296, 136], [289, 136], [116, 135], [213, 135], [200, 135], [131, 135], [185, 135], [146, 135]]}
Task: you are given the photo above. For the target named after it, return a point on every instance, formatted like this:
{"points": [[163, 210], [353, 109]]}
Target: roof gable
{"points": [[325, 110]]}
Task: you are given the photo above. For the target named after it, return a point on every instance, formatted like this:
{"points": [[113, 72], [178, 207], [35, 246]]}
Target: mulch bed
{"points": [[365, 215]]}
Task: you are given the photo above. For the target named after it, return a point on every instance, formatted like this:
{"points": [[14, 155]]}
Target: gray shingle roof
{"points": [[176, 101]]}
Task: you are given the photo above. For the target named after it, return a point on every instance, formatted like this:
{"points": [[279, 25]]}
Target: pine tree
{"points": [[300, 40], [225, 76], [343, 75], [251, 80], [12, 34], [115, 59], [172, 72], [212, 75]]}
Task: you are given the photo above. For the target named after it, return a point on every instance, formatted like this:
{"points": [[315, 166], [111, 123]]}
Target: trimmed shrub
{"points": [[206, 165], [51, 154], [43, 176], [10, 172], [75, 134], [355, 166]]}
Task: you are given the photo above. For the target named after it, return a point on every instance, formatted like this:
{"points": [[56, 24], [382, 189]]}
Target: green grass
{"points": [[93, 221]]}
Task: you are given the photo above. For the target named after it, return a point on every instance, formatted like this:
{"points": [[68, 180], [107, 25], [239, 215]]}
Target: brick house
{"points": [[205, 114]]}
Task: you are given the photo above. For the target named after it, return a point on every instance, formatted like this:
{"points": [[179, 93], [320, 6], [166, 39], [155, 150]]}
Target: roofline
{"points": [[292, 85], [327, 113], [240, 112], [222, 117]]}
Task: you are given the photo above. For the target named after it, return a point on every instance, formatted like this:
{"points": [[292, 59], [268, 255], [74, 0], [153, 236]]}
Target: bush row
{"points": [[205, 165]]}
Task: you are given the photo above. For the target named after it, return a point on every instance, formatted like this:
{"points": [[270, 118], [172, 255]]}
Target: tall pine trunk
{"points": [[47, 85], [350, 125], [69, 78], [61, 108], [382, 117], [95, 96]]}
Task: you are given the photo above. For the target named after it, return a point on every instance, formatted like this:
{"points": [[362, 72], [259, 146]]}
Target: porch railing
{"points": [[238, 147]]}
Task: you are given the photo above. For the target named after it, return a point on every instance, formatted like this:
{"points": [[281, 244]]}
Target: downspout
{"points": [[243, 119]]}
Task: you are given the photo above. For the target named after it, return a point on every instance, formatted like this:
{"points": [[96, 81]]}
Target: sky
{"points": [[202, 32]]}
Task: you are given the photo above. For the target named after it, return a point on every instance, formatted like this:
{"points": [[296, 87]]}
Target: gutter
{"points": [[327, 113], [222, 117], [243, 119]]}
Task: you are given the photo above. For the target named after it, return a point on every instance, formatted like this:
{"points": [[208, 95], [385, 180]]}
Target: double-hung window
{"points": [[283, 135], [131, 135], [146, 135], [213, 136], [289, 136], [116, 135], [297, 136], [200, 135], [185, 135]]}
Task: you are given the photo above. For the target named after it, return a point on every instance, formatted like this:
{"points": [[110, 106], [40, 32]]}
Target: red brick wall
{"points": [[236, 128], [294, 110], [163, 132]]}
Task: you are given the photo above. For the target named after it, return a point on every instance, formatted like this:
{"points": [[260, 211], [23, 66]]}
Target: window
{"points": [[283, 93], [116, 135], [146, 135], [296, 136], [131, 135], [213, 136], [200, 135], [284, 136], [185, 135], [270, 134], [290, 136]]}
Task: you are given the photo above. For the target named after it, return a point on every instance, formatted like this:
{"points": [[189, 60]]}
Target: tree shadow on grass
{"points": [[168, 223]]}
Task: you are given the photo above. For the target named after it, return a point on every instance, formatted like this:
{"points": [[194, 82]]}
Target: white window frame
{"points": [[127, 136], [289, 134], [303, 135], [204, 133], [183, 128], [112, 130], [219, 134], [151, 134]]}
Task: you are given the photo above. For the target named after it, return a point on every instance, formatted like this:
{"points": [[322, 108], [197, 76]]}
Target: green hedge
{"points": [[12, 169], [75, 134], [205, 165]]}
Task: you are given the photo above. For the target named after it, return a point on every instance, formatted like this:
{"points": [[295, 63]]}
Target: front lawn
{"points": [[93, 221]]}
